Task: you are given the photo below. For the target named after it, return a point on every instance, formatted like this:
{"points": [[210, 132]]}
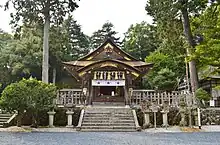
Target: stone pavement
{"points": [[172, 129]]}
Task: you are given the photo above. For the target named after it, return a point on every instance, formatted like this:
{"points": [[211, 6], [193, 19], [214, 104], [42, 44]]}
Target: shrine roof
{"points": [[85, 63], [108, 44]]}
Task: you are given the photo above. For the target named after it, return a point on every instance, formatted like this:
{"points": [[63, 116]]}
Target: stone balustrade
{"points": [[137, 96], [70, 97]]}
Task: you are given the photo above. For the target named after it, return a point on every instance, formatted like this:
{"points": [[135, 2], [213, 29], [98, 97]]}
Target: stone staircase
{"points": [[5, 119], [108, 119]]}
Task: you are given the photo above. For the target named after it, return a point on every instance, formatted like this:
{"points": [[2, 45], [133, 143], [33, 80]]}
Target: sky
{"points": [[92, 14]]}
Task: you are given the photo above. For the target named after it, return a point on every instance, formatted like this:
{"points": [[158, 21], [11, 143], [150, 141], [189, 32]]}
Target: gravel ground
{"points": [[110, 138], [173, 129]]}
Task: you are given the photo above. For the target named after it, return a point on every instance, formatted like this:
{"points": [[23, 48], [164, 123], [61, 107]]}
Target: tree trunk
{"points": [[190, 50], [45, 65], [19, 117], [54, 75]]}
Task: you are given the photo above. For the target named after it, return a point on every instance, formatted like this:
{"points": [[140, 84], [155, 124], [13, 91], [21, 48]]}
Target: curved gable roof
{"points": [[101, 48]]}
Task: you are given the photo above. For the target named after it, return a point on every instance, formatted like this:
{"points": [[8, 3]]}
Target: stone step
{"points": [[5, 115], [107, 110], [104, 121], [108, 127], [108, 113], [108, 124], [4, 119], [104, 115], [107, 118], [108, 130]]}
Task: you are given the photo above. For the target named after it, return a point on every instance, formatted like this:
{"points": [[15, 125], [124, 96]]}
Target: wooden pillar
{"points": [[126, 88], [126, 95], [91, 94]]}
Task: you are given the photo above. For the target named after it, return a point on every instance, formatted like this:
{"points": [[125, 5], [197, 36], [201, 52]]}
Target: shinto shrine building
{"points": [[107, 74]]}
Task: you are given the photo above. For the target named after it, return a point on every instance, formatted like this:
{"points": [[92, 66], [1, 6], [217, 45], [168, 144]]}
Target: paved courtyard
{"points": [[110, 138]]}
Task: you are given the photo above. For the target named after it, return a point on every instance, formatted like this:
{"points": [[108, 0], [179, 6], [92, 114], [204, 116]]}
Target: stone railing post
{"points": [[165, 118], [51, 118], [147, 118], [69, 114]]}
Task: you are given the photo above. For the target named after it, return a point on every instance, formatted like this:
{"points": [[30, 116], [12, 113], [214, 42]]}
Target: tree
{"points": [[168, 33], [166, 71], [102, 34], [67, 43], [5, 38], [165, 80], [140, 40], [207, 53], [43, 12], [22, 57], [28, 94], [78, 44], [163, 10]]}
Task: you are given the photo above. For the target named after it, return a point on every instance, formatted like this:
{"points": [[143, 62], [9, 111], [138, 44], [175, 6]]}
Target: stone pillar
{"points": [[146, 119], [145, 108], [51, 118], [69, 118], [155, 108], [165, 118], [195, 113]]}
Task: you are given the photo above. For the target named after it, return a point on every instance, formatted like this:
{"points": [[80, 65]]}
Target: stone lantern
{"points": [[155, 108], [165, 111], [145, 108]]}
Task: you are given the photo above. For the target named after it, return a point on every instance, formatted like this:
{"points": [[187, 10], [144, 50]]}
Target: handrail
{"points": [[78, 127], [11, 118], [138, 128]]}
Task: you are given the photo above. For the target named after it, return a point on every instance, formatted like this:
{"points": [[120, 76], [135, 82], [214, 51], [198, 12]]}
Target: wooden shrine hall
{"points": [[108, 74]]}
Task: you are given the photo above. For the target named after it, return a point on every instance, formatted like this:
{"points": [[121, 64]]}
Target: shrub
{"points": [[28, 94]]}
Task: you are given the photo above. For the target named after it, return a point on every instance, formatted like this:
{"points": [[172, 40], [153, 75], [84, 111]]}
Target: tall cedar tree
{"points": [[43, 11], [107, 31]]}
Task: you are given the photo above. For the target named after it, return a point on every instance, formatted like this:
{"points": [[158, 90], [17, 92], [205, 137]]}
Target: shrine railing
{"points": [[70, 97], [151, 95]]}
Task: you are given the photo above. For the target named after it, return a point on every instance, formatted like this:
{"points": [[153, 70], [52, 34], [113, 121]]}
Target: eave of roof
{"points": [[131, 63]]}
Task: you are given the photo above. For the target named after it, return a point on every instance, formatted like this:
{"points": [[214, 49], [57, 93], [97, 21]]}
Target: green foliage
{"points": [[202, 95], [107, 31], [77, 44], [34, 10], [166, 71], [140, 40], [41, 12], [20, 57], [164, 80], [208, 52], [14, 97], [28, 94]]}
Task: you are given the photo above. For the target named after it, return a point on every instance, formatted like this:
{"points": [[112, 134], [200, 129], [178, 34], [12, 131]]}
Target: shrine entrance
{"points": [[108, 94], [107, 90]]}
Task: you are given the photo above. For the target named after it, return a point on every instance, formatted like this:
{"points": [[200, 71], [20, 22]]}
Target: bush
{"points": [[30, 95], [202, 95]]}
